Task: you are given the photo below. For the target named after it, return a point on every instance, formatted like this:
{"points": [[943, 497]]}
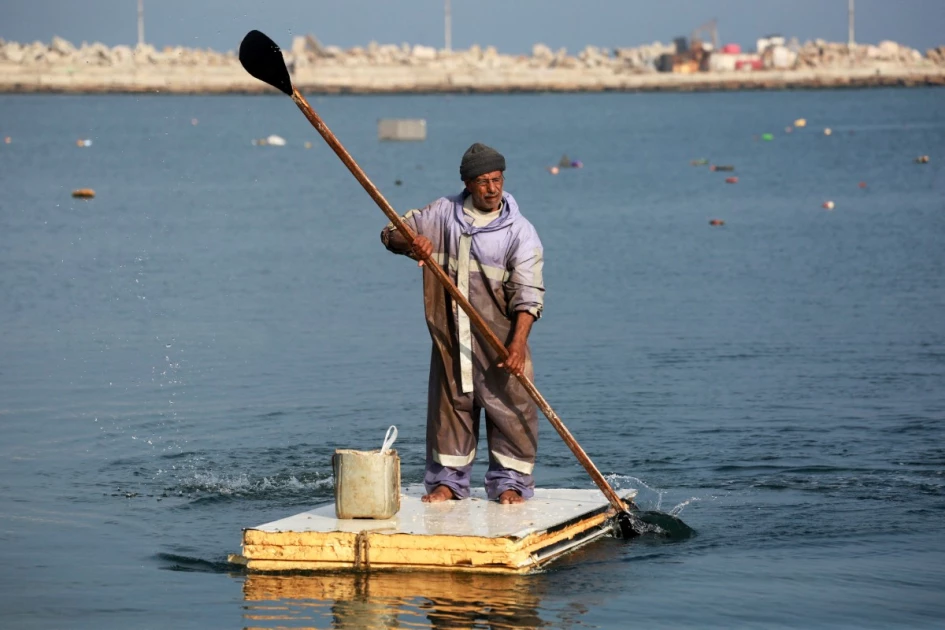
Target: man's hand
{"points": [[421, 249], [515, 364]]}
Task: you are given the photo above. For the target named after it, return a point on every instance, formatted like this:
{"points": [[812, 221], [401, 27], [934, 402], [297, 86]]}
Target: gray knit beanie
{"points": [[480, 159]]}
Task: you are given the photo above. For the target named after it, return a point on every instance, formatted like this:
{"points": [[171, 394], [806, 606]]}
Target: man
{"points": [[493, 255]]}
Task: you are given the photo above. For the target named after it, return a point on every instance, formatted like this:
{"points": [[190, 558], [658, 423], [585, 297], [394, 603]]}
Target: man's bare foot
{"points": [[439, 494], [511, 496]]}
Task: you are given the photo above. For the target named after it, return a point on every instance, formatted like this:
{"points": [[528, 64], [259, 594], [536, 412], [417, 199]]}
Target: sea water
{"points": [[181, 355]]}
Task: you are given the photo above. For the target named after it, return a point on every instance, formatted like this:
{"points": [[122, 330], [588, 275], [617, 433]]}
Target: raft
{"points": [[471, 535]]}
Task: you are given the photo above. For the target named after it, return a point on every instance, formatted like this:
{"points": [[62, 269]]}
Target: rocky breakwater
{"points": [[61, 66]]}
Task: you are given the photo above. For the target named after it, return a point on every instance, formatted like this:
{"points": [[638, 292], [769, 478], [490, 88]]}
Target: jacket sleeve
{"points": [[422, 221], [525, 287]]}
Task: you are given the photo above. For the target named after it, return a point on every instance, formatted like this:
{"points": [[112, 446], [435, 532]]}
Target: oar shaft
{"points": [[458, 297]]}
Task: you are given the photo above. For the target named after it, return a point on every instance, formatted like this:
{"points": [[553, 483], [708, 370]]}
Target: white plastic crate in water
{"points": [[402, 129]]}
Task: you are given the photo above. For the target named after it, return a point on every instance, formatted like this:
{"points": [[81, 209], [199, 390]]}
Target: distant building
{"points": [[768, 41]]}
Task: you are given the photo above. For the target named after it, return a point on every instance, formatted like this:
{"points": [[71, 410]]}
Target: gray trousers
{"points": [[453, 421]]}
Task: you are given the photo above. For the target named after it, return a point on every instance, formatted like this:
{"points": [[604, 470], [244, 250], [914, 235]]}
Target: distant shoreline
{"points": [[62, 68], [422, 81]]}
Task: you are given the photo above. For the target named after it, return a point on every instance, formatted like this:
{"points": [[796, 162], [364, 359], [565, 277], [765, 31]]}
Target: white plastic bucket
{"points": [[367, 483]]}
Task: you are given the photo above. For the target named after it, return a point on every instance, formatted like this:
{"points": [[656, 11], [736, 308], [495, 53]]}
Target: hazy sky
{"points": [[512, 26]]}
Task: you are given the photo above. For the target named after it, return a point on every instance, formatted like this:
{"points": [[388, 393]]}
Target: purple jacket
{"points": [[497, 267]]}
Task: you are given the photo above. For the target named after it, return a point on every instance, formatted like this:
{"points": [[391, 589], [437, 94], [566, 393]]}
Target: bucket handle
{"points": [[389, 438]]}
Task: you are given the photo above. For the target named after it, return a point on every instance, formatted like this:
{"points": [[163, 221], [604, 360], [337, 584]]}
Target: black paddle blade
{"points": [[626, 526], [665, 525], [629, 525], [262, 58]]}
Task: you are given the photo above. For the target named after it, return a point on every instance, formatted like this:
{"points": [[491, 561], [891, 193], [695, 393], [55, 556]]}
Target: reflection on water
{"points": [[392, 600]]}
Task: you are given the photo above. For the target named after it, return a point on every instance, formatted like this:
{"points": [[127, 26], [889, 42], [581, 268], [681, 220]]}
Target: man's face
{"points": [[486, 191]]}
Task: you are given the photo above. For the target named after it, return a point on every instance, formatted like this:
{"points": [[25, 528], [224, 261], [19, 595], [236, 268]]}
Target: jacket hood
{"points": [[507, 215]]}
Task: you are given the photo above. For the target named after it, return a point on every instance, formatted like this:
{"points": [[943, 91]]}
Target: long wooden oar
{"points": [[262, 58]]}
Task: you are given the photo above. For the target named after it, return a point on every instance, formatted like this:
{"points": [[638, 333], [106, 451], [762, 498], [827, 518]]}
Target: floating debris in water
{"points": [[566, 162], [922, 159], [83, 142], [716, 222], [273, 141], [767, 136], [800, 122], [829, 205], [731, 180], [828, 131], [699, 162], [721, 167], [83, 193]]}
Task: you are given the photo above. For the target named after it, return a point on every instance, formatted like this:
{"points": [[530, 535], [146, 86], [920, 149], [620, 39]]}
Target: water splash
{"points": [[654, 522], [243, 486], [619, 482], [676, 511]]}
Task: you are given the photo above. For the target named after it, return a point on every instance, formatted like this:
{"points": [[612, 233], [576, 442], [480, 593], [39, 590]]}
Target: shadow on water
{"points": [[187, 564]]}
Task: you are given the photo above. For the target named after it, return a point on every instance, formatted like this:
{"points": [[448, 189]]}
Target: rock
{"points": [[12, 52], [61, 46], [424, 53], [298, 47], [122, 55], [888, 49], [145, 54], [542, 52]]}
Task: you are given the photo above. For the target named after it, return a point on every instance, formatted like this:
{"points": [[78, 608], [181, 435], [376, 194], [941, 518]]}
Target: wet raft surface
{"points": [[469, 535]]}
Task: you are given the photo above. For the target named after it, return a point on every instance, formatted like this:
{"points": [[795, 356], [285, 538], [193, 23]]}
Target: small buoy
{"points": [[800, 122], [397, 182], [83, 142], [308, 145], [828, 131], [83, 193], [828, 205], [716, 222], [922, 159], [862, 184], [731, 180], [554, 170], [767, 136], [194, 121]]}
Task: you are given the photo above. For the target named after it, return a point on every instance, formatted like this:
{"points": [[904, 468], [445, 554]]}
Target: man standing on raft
{"points": [[494, 256]]}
